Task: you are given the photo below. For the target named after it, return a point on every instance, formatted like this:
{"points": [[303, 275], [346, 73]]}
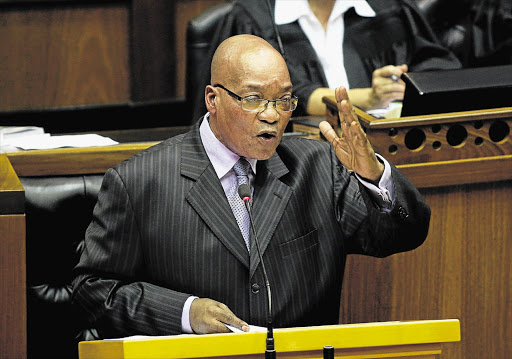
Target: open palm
{"points": [[352, 146]]}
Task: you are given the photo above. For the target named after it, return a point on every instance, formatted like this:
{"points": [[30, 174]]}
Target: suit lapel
{"points": [[207, 196], [271, 197]]}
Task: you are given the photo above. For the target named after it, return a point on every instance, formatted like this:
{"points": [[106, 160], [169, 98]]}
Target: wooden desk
{"points": [[66, 161], [69, 161], [421, 339]]}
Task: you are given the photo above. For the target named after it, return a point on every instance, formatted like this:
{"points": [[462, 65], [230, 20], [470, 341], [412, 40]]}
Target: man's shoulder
{"points": [[167, 150], [301, 147]]}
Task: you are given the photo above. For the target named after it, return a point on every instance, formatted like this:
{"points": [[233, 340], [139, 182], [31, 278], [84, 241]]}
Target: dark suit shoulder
{"points": [[170, 149], [303, 148], [306, 158]]}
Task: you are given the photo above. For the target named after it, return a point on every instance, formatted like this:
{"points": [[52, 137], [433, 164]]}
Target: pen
{"points": [[395, 78]]}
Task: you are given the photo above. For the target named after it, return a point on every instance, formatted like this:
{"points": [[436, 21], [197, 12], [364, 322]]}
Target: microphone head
{"points": [[244, 191]]}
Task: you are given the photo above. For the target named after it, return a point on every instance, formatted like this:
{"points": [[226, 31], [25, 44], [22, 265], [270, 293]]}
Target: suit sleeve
{"points": [[370, 231], [106, 280]]}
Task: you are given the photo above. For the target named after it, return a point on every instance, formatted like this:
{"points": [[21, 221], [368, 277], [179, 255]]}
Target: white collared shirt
{"points": [[328, 44]]}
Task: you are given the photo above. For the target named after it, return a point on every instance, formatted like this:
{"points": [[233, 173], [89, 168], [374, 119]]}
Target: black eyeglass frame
{"points": [[293, 100]]}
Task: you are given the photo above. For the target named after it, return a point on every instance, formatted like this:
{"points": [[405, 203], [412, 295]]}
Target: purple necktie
{"points": [[241, 168]]}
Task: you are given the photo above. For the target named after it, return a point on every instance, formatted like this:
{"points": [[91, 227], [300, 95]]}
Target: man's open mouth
{"points": [[267, 135]]}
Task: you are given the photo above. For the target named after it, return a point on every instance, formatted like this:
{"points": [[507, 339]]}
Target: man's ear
{"points": [[210, 97]]}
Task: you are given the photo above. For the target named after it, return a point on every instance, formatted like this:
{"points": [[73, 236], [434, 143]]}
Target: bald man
{"points": [[164, 253]]}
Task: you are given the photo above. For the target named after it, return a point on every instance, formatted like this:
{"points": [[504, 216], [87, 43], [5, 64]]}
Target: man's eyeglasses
{"points": [[260, 104]]}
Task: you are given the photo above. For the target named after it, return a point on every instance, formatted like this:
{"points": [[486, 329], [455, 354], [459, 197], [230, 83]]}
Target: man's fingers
{"points": [[228, 317], [330, 135], [344, 106], [327, 130], [209, 316]]}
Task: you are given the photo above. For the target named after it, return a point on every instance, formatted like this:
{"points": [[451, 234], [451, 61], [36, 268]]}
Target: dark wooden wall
{"points": [[75, 53]]}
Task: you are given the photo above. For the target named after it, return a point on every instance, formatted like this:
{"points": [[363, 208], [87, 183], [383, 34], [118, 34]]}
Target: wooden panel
{"points": [[461, 271], [53, 57], [447, 173], [13, 318], [13, 321]]}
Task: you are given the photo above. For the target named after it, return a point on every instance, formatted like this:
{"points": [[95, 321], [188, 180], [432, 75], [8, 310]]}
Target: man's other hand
{"points": [[208, 316]]}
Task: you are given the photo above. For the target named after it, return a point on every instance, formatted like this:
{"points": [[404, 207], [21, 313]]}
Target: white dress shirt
{"points": [[328, 44]]}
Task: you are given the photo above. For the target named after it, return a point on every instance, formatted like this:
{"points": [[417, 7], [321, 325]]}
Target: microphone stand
{"points": [[270, 352]]}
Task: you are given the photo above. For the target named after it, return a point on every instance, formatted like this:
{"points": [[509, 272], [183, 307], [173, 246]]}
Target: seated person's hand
{"points": [[208, 316], [387, 86]]}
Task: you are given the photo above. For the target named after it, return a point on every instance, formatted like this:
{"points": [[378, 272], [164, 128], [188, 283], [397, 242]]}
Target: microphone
{"points": [[244, 191]]}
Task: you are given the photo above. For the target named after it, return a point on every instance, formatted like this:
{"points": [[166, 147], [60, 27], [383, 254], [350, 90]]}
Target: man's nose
{"points": [[269, 113]]}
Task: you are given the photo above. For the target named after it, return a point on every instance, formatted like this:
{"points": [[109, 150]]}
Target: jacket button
{"points": [[255, 288], [402, 213]]}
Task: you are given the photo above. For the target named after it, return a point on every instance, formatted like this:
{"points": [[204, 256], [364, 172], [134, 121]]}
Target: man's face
{"points": [[252, 134]]}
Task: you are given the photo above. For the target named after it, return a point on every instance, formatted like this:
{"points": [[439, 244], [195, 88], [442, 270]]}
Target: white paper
{"points": [[45, 141], [392, 111], [252, 329]]}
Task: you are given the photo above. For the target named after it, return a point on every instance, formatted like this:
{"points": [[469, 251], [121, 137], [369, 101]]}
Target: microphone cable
{"points": [[276, 31]]}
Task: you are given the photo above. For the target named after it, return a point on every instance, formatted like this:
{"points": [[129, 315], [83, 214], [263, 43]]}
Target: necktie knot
{"points": [[242, 167]]}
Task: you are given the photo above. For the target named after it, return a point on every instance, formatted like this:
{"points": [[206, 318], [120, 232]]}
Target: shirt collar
{"points": [[288, 11], [221, 157]]}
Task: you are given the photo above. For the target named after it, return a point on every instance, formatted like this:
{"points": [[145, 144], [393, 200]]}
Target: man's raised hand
{"points": [[352, 147]]}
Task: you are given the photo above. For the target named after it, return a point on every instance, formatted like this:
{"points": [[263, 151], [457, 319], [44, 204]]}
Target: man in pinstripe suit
{"points": [[164, 253]]}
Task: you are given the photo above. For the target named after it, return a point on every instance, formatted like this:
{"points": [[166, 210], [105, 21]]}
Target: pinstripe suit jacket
{"points": [[163, 230]]}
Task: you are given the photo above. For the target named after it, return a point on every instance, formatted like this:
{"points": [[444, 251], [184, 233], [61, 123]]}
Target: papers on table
{"points": [[34, 138]]}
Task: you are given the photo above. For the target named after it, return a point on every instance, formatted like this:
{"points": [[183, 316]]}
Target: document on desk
{"points": [[392, 111], [252, 329], [46, 141]]}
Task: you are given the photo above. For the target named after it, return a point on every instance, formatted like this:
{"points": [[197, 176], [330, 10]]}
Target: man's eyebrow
{"points": [[260, 88]]}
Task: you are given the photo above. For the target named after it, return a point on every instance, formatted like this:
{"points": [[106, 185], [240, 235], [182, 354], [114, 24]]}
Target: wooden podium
{"points": [[416, 339]]}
